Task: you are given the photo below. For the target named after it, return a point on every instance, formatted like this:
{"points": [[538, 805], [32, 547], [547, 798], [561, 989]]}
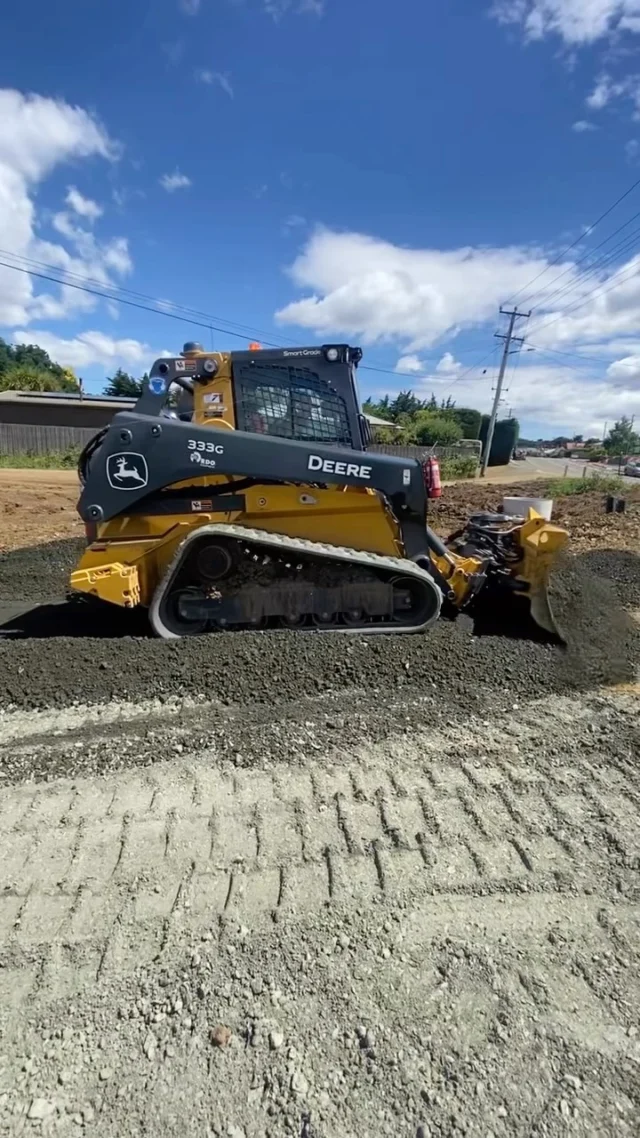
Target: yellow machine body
{"points": [[129, 556]]}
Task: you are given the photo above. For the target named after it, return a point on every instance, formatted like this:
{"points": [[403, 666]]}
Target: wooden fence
{"points": [[25, 438], [469, 449]]}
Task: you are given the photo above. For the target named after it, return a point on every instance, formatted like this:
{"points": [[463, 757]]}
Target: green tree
{"points": [[34, 358], [622, 439], [27, 367], [22, 377], [468, 420], [380, 409], [123, 384], [435, 429], [405, 403]]}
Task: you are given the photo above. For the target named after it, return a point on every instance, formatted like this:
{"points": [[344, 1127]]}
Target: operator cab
{"points": [[303, 394]]}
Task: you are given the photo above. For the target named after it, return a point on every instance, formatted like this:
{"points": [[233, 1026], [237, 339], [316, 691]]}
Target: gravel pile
{"points": [[97, 663]]}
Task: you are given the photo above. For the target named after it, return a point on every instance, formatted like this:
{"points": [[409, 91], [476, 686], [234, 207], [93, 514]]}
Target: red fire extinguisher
{"points": [[431, 468]]}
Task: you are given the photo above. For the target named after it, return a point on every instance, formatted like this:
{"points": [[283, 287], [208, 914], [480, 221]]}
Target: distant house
{"points": [[42, 422], [375, 423], [59, 408]]}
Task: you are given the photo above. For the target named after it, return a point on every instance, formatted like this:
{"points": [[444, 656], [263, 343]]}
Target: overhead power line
{"points": [[596, 291], [585, 257], [628, 246], [577, 241], [158, 307]]}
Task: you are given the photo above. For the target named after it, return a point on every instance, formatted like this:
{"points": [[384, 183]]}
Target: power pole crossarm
{"points": [[508, 340]]}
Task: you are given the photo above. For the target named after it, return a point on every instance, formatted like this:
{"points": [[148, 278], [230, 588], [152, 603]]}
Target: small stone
{"points": [[105, 1074], [423, 1131], [88, 1114], [344, 941], [565, 1109], [276, 1039], [220, 1036], [633, 1031], [299, 1084], [64, 1077], [41, 1108], [236, 1132], [502, 1112], [149, 1047], [573, 1081]]}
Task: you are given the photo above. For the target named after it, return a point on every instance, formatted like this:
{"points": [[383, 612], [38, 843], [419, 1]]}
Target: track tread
{"points": [[182, 850], [399, 566]]}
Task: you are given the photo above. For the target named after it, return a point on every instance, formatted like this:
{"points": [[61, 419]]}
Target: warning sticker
{"points": [[215, 412], [199, 506], [212, 397], [185, 365]]}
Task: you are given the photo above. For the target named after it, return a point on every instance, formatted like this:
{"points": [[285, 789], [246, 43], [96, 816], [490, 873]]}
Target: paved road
{"points": [[550, 468]]}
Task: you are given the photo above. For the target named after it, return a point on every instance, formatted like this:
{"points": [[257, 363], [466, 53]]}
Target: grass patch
{"points": [[453, 468], [55, 460], [568, 487]]}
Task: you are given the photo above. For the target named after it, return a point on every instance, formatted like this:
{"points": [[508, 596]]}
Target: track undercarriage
{"points": [[229, 578]]}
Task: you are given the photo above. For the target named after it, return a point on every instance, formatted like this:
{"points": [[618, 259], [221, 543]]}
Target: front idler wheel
{"points": [[174, 620], [415, 602]]}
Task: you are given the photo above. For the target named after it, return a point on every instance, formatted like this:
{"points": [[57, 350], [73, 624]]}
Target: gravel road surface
{"points": [[300, 885]]}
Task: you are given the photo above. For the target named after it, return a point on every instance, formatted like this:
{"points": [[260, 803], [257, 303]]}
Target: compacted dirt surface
{"points": [[287, 884]]}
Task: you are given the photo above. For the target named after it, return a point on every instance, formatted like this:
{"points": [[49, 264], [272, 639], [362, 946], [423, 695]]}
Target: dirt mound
{"points": [[601, 637], [620, 567], [38, 572], [583, 515]]}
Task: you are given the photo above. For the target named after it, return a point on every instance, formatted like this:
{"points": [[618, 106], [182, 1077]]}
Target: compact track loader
{"points": [[249, 500]]}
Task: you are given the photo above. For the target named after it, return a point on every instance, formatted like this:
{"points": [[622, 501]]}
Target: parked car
{"points": [[632, 470]]}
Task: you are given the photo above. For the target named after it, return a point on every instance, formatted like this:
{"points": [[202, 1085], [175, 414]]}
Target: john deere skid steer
{"points": [[239, 493]]}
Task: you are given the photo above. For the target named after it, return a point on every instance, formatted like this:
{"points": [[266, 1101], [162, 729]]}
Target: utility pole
{"points": [[509, 339]]}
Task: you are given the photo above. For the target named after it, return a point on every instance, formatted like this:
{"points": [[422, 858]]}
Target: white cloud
{"points": [[631, 149], [221, 78], [90, 348], [582, 126], [190, 7], [577, 22], [365, 287], [560, 397], [175, 181], [606, 91], [293, 222], [626, 371], [37, 135], [84, 207], [279, 8], [370, 290], [410, 365], [449, 365]]}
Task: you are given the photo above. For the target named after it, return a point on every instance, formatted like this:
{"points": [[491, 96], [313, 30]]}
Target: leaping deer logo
{"points": [[128, 472]]}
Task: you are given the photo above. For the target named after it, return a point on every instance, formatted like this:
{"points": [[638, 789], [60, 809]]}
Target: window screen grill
{"points": [[293, 403]]}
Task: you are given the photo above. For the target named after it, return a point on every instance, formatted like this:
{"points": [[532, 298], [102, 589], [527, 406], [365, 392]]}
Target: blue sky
{"points": [[331, 170]]}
